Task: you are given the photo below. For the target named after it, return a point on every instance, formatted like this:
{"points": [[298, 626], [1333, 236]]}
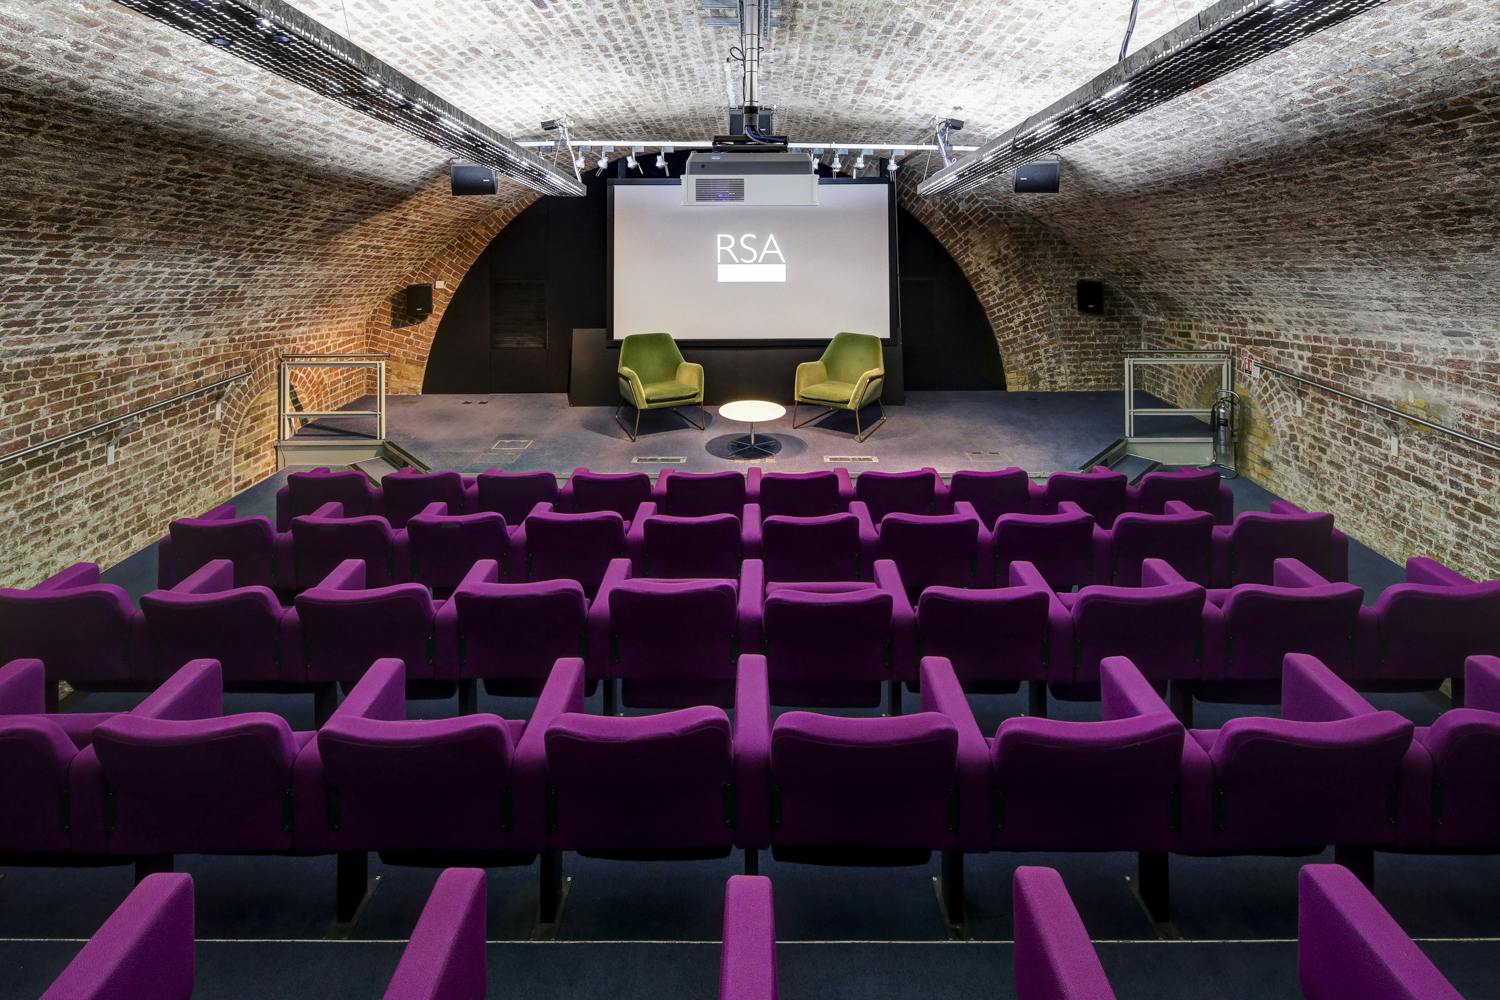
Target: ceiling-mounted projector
{"points": [[725, 177]]}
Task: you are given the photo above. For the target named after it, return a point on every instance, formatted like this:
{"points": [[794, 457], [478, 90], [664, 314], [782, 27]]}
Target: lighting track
{"points": [[1218, 40], [277, 37]]}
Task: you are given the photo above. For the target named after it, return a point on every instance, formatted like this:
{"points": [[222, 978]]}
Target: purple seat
{"points": [[1463, 747], [346, 626], [660, 786], [1419, 633], [143, 951], [322, 540], [586, 492], [443, 547], [899, 492], [828, 547], [1348, 945], [513, 495], [569, 546], [1100, 493], [945, 550], [998, 637], [444, 960], [1179, 535], [246, 629], [800, 494], [747, 968], [510, 634], [406, 493], [829, 647], [1246, 551], [1054, 958], [250, 543], [1061, 546], [991, 493], [1199, 489], [686, 547], [86, 632], [689, 494], [305, 492]]}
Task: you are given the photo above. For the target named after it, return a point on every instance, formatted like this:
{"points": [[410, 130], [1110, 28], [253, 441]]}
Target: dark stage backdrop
{"points": [[511, 324]]}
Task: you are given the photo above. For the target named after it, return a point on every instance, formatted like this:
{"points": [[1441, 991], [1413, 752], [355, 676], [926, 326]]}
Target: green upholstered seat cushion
{"points": [[661, 392], [837, 393]]}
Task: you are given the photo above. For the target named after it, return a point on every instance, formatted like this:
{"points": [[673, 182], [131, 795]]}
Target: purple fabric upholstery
{"points": [[86, 632], [442, 548], [586, 492], [1420, 632], [1160, 628], [346, 626], [747, 968], [898, 492], [1463, 747], [946, 550], [322, 540], [206, 616], [828, 547], [752, 754], [511, 633], [1348, 945], [444, 960], [1081, 786], [513, 495], [406, 493], [1180, 536], [23, 685], [1055, 960], [689, 494], [1101, 493], [997, 637], [305, 492], [992, 493], [829, 646], [570, 546], [250, 543], [1482, 680], [1200, 489], [1246, 551], [800, 494], [1061, 547], [36, 752], [674, 547], [970, 815], [144, 951]]}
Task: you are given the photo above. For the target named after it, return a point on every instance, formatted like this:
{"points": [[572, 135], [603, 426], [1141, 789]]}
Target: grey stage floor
{"points": [[1042, 433]]}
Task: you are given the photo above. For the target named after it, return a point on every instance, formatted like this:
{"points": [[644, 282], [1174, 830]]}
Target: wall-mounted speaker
{"points": [[418, 301], [468, 179], [1039, 178], [1091, 296]]}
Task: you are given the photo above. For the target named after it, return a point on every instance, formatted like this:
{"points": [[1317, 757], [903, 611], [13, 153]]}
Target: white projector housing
{"points": [[753, 179]]}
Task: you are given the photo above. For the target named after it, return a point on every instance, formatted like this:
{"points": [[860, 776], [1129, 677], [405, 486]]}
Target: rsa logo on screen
{"points": [[749, 257]]}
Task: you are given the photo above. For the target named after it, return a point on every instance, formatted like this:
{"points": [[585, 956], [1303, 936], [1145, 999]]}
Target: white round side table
{"points": [[752, 412]]}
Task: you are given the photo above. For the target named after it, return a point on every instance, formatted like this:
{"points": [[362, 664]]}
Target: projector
{"points": [[725, 177]]}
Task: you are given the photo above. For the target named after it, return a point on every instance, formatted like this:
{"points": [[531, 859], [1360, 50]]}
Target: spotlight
{"points": [[603, 163], [578, 162], [859, 164], [661, 160], [838, 162], [630, 163]]}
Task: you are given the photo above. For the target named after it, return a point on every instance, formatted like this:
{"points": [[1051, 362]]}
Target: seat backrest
{"points": [[1184, 541], [1262, 624], [307, 491], [1465, 748], [516, 631], [247, 542], [682, 547], [407, 492], [417, 784], [700, 494], [1198, 488], [206, 786], [1257, 540], [1101, 494], [941, 550], [827, 648], [513, 494], [897, 492], [622, 493], [993, 636], [35, 754], [652, 356], [800, 494], [1060, 546], [241, 628], [1159, 628], [87, 633], [1426, 632], [850, 355], [643, 783], [443, 548], [1007, 491], [811, 548], [344, 631], [319, 544], [573, 546], [863, 782], [673, 628]]}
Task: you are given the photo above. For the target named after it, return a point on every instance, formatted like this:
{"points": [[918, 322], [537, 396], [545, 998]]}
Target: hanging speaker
{"points": [[1039, 178], [1091, 296], [418, 301], [468, 179]]}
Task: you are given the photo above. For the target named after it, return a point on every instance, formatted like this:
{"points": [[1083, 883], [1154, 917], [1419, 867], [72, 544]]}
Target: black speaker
{"points": [[1091, 296], [417, 300], [1039, 178], [468, 179]]}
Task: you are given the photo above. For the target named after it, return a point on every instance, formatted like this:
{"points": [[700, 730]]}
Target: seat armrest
{"points": [[747, 966], [76, 575], [347, 575], [223, 512], [284, 509], [659, 488], [1103, 542], [562, 693], [809, 373], [903, 620], [869, 539], [446, 954], [752, 752], [1289, 572], [213, 577], [195, 691], [437, 509], [597, 617], [1059, 620], [635, 539], [1482, 683], [1420, 569], [690, 373], [23, 687], [144, 948], [565, 492], [1054, 957], [1310, 692], [1124, 693], [1025, 574], [1159, 573], [846, 486], [942, 693], [1285, 507], [750, 608], [752, 484], [332, 508], [1225, 513], [1036, 498], [751, 531], [1176, 507], [483, 571], [380, 693], [632, 381]]}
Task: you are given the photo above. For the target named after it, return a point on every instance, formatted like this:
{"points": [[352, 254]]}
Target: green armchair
{"points": [[653, 376], [849, 376]]}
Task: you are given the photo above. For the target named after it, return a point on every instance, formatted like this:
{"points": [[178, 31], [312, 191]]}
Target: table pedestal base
{"points": [[753, 447]]}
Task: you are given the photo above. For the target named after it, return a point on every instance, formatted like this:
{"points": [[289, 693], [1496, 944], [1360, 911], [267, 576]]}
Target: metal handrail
{"points": [[1384, 408], [125, 418], [352, 357]]}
